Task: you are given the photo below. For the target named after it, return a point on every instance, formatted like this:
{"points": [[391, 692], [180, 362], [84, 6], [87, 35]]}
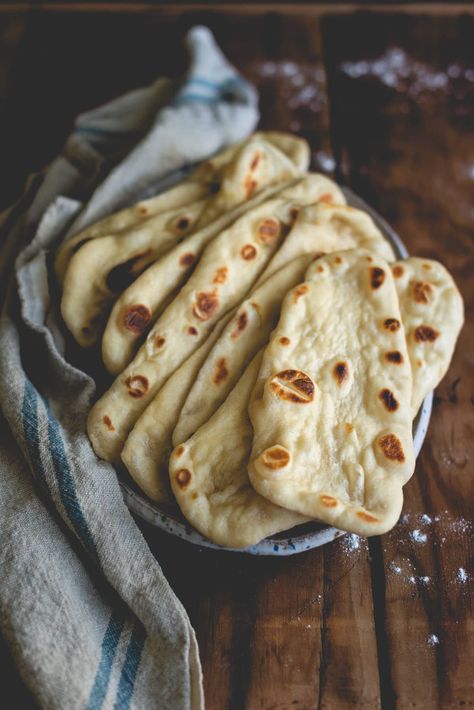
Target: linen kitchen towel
{"points": [[84, 605]]}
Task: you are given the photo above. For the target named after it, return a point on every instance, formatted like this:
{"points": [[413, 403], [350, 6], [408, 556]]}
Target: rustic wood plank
{"points": [[401, 106]]}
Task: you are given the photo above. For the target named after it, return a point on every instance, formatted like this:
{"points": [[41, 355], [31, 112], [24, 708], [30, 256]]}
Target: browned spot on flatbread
{"points": [[187, 259], [293, 386], [397, 271], [143, 211], [348, 427], [248, 252], [427, 266], [276, 457], [369, 259], [183, 477], [338, 260], [137, 385], [242, 320], [179, 451], [299, 291], [326, 197], [250, 185], [160, 341], [284, 340], [392, 448], [268, 231], [192, 330], [426, 334], [220, 276], [328, 501], [255, 161], [341, 372], [389, 400], [320, 269], [205, 305], [366, 517], [136, 318], [377, 277], [394, 356], [220, 371], [422, 292], [391, 324], [108, 423]]}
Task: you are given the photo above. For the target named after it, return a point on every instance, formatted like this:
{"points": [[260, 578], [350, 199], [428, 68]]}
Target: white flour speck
{"points": [[432, 640], [425, 581], [412, 579], [425, 519], [418, 536], [462, 575], [395, 568]]}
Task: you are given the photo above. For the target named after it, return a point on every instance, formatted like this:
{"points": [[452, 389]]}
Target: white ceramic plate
{"points": [[303, 537]]}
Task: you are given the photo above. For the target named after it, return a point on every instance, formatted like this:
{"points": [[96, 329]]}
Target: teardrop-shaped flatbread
{"points": [[103, 267], [201, 183], [432, 314], [319, 228], [245, 334], [148, 446], [210, 482], [138, 306], [226, 272], [331, 412]]}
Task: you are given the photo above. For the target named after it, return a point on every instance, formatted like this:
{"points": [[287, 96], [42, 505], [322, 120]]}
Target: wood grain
{"points": [[403, 131]]}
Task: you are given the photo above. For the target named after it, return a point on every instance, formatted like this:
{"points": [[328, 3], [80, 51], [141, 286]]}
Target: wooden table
{"points": [[385, 97]]}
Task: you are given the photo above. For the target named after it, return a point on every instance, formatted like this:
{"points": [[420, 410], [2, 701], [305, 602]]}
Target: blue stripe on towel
{"points": [[104, 670], [29, 415], [65, 480], [130, 667]]}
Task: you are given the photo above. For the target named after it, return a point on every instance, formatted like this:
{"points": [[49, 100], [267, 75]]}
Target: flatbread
{"points": [[209, 477], [226, 272], [105, 266], [331, 409], [327, 226], [432, 314], [201, 183], [245, 334], [138, 306], [112, 262], [176, 197], [149, 445]]}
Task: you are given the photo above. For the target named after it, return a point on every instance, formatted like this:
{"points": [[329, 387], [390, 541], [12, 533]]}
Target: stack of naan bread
{"points": [[270, 354]]}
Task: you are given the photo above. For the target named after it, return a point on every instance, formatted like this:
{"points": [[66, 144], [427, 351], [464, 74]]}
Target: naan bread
{"points": [[331, 410], [105, 266], [226, 272], [209, 477], [148, 446], [112, 262], [201, 183], [245, 334], [432, 315], [138, 307], [329, 226], [176, 197]]}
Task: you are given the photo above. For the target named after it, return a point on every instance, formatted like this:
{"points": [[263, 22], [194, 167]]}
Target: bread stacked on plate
{"points": [[270, 354]]}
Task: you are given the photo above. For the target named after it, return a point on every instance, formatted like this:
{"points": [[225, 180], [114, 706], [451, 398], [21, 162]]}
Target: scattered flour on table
{"points": [[432, 640]]}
